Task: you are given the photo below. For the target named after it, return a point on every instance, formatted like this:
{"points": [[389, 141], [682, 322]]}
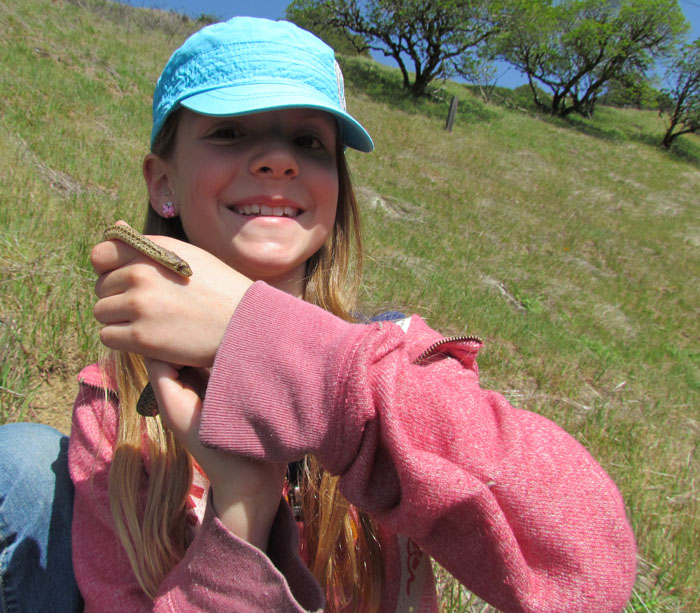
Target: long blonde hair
{"points": [[339, 540]]}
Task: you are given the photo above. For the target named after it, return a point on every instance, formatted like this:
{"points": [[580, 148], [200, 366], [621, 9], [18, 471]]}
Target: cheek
{"points": [[324, 222], [201, 185], [196, 197], [204, 177], [327, 190]]}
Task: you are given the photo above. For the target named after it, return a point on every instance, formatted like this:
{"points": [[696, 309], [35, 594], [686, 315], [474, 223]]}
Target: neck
{"points": [[292, 284]]}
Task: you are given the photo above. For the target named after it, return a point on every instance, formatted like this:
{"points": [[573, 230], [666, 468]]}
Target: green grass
{"points": [[570, 246]]}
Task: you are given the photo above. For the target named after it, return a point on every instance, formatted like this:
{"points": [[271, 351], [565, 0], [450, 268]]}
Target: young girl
{"points": [[328, 460]]}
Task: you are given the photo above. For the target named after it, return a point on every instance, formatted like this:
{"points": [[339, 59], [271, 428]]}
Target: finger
{"points": [[180, 405], [109, 255], [112, 310], [109, 284], [123, 278], [133, 338], [126, 296], [118, 336]]}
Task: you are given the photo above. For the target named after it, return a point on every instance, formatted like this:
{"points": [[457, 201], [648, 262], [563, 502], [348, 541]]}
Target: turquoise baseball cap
{"points": [[249, 65]]}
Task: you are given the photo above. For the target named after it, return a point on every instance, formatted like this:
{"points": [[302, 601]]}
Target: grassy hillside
{"points": [[571, 247]]}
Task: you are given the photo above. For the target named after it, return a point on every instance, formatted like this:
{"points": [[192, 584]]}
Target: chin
{"points": [[270, 270]]}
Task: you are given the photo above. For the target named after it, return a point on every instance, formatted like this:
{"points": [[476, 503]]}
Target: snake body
{"points": [[138, 241], [147, 404]]}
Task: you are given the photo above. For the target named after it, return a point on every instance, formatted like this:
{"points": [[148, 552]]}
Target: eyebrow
{"points": [[309, 113]]}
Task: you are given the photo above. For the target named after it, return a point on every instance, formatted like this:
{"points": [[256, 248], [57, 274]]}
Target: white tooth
{"points": [[278, 211], [289, 211], [265, 210], [245, 209], [254, 209]]}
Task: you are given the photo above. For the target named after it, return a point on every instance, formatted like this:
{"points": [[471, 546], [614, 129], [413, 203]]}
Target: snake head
{"points": [[183, 268]]}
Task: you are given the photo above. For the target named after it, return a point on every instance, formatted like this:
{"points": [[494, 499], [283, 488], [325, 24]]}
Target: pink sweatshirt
{"points": [[504, 499]]}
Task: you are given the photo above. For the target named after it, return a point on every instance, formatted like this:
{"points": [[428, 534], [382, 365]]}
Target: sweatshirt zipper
{"points": [[435, 347]]}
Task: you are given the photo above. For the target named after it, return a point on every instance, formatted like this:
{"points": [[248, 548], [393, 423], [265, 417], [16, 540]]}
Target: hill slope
{"points": [[572, 248]]}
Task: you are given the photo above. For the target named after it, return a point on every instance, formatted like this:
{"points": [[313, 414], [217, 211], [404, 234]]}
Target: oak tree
{"points": [[683, 93], [428, 39], [575, 47]]}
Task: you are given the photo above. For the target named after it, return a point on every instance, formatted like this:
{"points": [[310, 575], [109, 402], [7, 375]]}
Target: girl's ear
{"points": [[156, 172]]}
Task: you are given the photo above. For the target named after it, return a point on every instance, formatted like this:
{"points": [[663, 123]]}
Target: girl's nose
{"points": [[276, 160]]}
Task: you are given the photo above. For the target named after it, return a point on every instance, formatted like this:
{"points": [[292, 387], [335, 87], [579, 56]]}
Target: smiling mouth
{"points": [[253, 210]]}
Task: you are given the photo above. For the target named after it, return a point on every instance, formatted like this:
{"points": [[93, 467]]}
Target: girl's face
{"points": [[257, 191]]}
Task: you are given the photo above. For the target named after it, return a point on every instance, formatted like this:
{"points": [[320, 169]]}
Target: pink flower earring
{"points": [[168, 210]]}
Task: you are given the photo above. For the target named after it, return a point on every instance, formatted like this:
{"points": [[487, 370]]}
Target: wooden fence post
{"points": [[452, 114]]}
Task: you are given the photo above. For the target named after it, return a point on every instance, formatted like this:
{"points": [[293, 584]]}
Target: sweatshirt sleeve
{"points": [[504, 499], [220, 572]]}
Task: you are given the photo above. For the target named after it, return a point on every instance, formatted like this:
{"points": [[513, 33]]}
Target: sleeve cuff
{"points": [[221, 572], [273, 385]]}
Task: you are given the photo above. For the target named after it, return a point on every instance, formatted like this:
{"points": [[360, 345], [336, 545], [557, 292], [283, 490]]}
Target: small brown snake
{"points": [[126, 234], [147, 404]]}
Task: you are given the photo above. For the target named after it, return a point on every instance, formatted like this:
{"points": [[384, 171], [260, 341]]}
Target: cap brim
{"points": [[256, 98]]}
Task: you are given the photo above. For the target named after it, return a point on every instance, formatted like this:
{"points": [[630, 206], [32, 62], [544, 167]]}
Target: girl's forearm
{"points": [[246, 503]]}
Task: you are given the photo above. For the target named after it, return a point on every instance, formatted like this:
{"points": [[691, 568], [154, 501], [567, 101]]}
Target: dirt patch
{"points": [[388, 205], [53, 403]]}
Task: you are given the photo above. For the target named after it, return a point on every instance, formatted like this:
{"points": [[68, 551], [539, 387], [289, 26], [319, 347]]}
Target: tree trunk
{"points": [[673, 122], [404, 72], [559, 106], [538, 103], [419, 85], [668, 138]]}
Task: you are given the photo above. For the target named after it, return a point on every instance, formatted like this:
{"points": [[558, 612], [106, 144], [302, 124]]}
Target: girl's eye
{"points": [[226, 134], [308, 141]]}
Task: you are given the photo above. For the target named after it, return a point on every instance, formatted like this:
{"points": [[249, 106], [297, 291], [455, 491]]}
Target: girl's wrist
{"points": [[246, 518], [247, 507]]}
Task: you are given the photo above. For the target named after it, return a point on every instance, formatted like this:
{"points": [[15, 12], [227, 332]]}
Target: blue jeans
{"points": [[36, 507]]}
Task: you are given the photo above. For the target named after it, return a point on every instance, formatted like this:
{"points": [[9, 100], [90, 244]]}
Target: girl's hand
{"points": [[147, 309], [246, 493]]}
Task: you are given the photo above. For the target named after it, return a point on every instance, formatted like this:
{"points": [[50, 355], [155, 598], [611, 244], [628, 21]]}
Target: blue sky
{"points": [[274, 9]]}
